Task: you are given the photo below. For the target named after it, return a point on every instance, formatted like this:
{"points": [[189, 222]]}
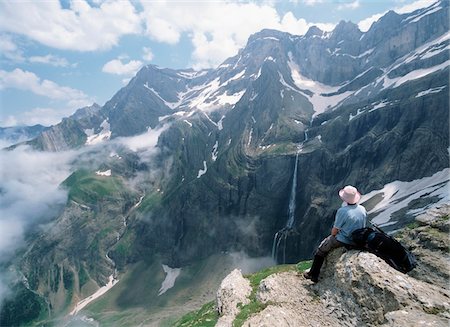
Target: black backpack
{"points": [[386, 247]]}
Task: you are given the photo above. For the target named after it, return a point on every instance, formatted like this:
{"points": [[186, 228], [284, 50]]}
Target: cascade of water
{"points": [[283, 233], [291, 212]]}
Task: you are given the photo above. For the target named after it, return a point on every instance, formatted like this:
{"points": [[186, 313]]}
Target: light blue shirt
{"points": [[348, 219]]}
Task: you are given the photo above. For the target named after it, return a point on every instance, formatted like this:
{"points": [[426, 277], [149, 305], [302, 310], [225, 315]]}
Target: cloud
{"points": [[30, 191], [28, 81], [414, 6], [291, 24], [365, 24], [350, 5], [148, 54], [117, 67], [9, 49], [223, 29], [69, 98], [312, 2], [50, 60], [79, 27], [38, 115]]}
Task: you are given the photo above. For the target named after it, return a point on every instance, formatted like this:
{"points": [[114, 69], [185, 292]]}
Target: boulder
{"points": [[233, 292], [356, 288]]}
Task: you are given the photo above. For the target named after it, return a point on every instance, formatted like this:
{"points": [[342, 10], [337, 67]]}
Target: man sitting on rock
{"points": [[348, 218]]}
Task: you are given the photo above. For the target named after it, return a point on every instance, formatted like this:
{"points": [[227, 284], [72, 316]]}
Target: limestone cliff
{"points": [[359, 289]]}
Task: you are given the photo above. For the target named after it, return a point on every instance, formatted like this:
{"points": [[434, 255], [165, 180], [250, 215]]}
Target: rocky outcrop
{"points": [[233, 292], [359, 289]]}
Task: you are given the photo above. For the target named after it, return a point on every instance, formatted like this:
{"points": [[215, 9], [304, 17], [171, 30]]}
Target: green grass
{"points": [[150, 202], [205, 317], [412, 225], [303, 265], [208, 316], [86, 187], [254, 306]]}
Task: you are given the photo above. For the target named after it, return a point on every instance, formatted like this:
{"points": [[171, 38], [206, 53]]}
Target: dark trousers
{"points": [[324, 248], [329, 243]]}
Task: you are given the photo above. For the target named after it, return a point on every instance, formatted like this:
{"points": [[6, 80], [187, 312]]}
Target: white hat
{"points": [[350, 194]]}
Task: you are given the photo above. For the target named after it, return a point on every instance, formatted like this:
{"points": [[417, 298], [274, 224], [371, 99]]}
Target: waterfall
{"points": [[281, 235], [291, 212]]}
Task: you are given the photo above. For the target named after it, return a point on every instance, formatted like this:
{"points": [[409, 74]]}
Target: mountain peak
{"points": [[267, 34], [346, 29], [314, 31]]}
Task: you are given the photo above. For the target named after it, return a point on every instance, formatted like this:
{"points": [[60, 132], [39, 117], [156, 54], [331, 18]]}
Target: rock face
{"points": [[234, 290], [359, 289]]}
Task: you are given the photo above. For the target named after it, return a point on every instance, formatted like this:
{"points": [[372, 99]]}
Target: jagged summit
{"points": [[314, 31]]}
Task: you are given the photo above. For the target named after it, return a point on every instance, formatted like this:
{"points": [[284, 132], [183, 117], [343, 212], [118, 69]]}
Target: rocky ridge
{"points": [[359, 289]]}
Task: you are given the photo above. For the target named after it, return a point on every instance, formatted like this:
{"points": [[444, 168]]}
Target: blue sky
{"points": [[57, 56]]}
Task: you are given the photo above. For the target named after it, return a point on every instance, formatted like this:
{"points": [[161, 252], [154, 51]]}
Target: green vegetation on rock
{"points": [[24, 308], [86, 187], [206, 317]]}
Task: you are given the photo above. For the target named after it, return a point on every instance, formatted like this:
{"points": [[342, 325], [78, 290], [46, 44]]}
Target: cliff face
{"points": [[359, 289]]}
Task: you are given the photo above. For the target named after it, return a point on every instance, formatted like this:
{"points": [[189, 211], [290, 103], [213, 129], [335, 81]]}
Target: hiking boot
{"points": [[314, 272], [308, 275]]}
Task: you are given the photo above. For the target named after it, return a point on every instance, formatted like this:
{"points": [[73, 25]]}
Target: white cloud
{"points": [[43, 116], [350, 5], [148, 54], [312, 2], [50, 60], [414, 6], [9, 49], [223, 29], [30, 196], [80, 27], [29, 191], [291, 24], [117, 67], [28, 81], [69, 98], [365, 24]]}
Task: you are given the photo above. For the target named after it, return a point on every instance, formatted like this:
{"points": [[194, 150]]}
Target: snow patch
{"points": [[430, 91], [250, 137], [429, 12], [237, 76], [220, 123], [103, 173], [416, 74], [203, 171], [398, 195], [230, 99], [171, 105], [102, 290], [169, 281], [379, 105], [358, 112], [319, 98], [103, 135], [270, 38], [215, 151]]}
